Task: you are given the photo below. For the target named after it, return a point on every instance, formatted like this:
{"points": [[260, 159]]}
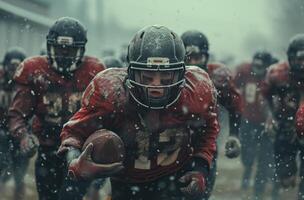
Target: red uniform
{"points": [[287, 102], [255, 109], [228, 96], [49, 96], [283, 94], [187, 128]]}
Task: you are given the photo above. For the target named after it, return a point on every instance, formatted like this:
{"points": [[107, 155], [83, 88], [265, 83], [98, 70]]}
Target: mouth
{"points": [[156, 93]]}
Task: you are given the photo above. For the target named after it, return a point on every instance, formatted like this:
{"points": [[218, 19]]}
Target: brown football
{"points": [[107, 147]]}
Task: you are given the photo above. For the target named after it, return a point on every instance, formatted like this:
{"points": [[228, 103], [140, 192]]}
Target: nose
{"points": [[156, 80]]}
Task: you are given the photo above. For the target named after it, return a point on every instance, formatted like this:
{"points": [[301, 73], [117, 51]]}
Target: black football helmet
{"points": [[66, 42], [295, 54], [12, 58], [112, 61], [197, 48], [155, 51], [260, 61]]}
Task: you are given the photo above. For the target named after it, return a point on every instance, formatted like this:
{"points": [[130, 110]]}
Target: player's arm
{"points": [[230, 99], [95, 113], [205, 146], [204, 149], [21, 111]]}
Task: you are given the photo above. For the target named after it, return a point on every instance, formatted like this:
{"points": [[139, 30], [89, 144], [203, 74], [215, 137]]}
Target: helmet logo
{"points": [[63, 40], [157, 61]]}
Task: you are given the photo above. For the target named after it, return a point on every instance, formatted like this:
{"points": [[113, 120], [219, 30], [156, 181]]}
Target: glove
{"points": [[195, 184], [28, 145], [232, 147], [83, 168]]}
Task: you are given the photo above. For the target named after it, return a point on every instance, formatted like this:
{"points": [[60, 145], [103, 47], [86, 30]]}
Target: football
{"points": [[107, 147]]}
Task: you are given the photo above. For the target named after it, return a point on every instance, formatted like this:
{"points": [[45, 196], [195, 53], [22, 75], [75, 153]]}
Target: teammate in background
{"points": [[112, 61], [49, 88], [284, 92], [165, 114], [12, 163], [197, 54], [256, 145]]}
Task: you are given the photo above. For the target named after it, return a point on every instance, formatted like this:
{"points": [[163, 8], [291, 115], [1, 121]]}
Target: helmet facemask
{"points": [[11, 67], [259, 67], [155, 86], [296, 62], [194, 56], [65, 54]]}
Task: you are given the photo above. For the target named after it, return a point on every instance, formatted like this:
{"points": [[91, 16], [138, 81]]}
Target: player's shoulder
{"points": [[278, 73], [243, 68], [197, 75], [31, 67], [111, 76], [91, 63], [108, 85], [284, 66], [215, 65], [198, 91]]}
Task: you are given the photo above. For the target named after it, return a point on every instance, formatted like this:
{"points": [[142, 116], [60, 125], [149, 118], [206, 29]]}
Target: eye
{"points": [[166, 81], [146, 79]]}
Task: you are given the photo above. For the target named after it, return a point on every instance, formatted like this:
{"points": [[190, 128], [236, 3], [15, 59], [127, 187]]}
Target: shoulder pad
{"points": [[29, 68]]}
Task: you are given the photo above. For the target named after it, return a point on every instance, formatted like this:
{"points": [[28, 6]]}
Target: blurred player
{"points": [[112, 61], [284, 91], [50, 89], [11, 161], [197, 54], [250, 78]]}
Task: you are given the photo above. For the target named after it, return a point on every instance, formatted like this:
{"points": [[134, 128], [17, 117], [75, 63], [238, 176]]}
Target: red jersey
{"points": [[48, 96], [283, 95], [186, 129], [228, 95], [250, 85]]}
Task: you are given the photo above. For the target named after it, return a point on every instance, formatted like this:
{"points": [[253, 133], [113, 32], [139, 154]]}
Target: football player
{"points": [[284, 91], [164, 112], [250, 78], [197, 53], [50, 88], [12, 162]]}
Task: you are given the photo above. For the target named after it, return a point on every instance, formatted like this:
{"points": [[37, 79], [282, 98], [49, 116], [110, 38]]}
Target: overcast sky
{"points": [[227, 23]]}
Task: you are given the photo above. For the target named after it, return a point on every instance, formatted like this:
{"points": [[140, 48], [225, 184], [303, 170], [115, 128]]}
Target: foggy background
{"points": [[235, 28]]}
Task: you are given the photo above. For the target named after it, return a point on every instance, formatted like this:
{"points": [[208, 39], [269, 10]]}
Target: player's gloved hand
{"points": [[86, 169], [28, 145], [232, 147], [195, 184]]}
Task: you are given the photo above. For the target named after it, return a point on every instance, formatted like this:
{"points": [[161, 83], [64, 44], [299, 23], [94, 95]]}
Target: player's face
{"points": [[66, 51], [12, 66], [300, 60], [154, 80], [258, 63], [196, 59]]}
